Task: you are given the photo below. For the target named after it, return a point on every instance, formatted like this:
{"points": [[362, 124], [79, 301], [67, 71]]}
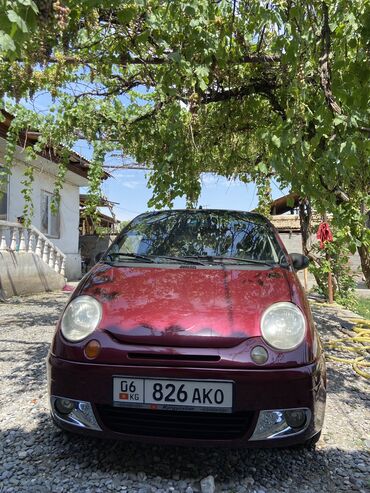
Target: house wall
{"points": [[69, 212], [91, 245], [293, 244]]}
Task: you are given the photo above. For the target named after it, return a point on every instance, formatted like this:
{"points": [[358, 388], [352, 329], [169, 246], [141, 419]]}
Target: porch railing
{"points": [[16, 237]]}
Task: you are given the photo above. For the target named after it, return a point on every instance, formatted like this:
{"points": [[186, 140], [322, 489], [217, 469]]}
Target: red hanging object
{"points": [[324, 234]]}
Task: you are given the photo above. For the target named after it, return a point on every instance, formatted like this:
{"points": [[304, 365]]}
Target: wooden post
{"points": [[305, 279], [330, 277], [330, 282]]}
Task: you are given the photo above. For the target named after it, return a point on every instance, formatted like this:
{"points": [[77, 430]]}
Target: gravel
{"points": [[37, 457]]}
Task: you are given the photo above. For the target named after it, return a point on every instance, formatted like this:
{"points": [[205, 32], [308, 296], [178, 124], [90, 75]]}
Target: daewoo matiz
{"points": [[192, 328]]}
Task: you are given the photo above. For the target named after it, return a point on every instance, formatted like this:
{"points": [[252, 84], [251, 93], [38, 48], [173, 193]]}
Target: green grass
{"points": [[363, 307]]}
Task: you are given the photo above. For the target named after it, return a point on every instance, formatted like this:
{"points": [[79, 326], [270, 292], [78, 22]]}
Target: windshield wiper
{"points": [[133, 256], [247, 261], [211, 258], [181, 259]]}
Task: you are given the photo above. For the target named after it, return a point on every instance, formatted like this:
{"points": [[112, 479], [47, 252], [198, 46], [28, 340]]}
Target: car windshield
{"points": [[220, 235]]}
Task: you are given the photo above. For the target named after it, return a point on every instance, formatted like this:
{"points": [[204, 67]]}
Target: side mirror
{"points": [[98, 256], [299, 261]]}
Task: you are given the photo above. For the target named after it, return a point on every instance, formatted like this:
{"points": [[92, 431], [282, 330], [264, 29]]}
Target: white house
{"points": [[60, 229]]}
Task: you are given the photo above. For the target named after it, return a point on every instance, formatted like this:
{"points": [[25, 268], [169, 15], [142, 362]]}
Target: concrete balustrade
{"points": [[17, 238], [13, 238], [45, 252], [3, 242]]}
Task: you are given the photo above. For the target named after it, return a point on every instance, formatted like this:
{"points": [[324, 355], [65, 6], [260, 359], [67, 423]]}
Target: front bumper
{"points": [[254, 391]]}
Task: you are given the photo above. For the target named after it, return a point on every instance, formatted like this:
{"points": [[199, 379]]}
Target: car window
{"points": [[200, 233]]}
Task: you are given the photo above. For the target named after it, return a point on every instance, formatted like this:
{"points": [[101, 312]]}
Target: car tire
{"points": [[311, 443], [66, 433]]}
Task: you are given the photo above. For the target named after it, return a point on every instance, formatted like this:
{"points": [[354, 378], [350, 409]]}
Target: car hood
{"points": [[184, 305]]}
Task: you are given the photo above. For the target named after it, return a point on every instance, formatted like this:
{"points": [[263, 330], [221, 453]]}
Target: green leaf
{"points": [[202, 71], [143, 37], [6, 42], [126, 15], [5, 24], [29, 3], [175, 56], [338, 121], [276, 141], [202, 84], [352, 248], [190, 11], [194, 22], [17, 19], [263, 168]]}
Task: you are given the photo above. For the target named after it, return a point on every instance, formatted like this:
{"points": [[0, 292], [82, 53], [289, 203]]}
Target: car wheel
{"points": [[311, 443], [66, 433]]}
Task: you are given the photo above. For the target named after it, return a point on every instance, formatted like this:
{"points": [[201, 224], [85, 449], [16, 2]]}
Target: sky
{"points": [[129, 188]]}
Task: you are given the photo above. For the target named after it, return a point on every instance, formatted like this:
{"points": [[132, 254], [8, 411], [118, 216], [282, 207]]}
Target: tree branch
{"points": [[263, 87], [325, 75], [255, 86], [259, 59], [340, 195], [155, 110], [111, 92], [275, 104], [366, 130], [126, 59]]}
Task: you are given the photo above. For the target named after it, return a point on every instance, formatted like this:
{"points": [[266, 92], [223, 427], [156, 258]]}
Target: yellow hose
{"points": [[360, 343]]}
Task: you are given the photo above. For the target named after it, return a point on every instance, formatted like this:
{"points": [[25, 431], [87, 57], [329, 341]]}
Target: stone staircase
{"points": [[29, 261]]}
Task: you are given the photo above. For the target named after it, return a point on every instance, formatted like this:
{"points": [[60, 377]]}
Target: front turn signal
{"points": [[92, 349]]}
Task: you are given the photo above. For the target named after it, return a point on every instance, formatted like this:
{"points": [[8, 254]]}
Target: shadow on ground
{"points": [[24, 316], [124, 463], [28, 364]]}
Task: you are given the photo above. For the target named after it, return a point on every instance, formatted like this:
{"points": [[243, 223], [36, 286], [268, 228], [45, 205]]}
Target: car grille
{"points": [[175, 424]]}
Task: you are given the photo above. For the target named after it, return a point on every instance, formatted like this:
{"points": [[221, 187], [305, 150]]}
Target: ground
{"points": [[36, 457]]}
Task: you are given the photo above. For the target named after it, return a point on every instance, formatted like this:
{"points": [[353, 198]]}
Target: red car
{"points": [[192, 328]]}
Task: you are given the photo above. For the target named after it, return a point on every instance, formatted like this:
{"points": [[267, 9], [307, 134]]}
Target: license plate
{"points": [[181, 395]]}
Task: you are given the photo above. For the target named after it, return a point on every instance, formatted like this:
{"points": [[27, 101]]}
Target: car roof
{"points": [[256, 215], [214, 210]]}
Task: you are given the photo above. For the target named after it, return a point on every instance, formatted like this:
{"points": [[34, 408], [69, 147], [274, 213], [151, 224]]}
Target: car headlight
{"points": [[283, 326], [81, 317]]}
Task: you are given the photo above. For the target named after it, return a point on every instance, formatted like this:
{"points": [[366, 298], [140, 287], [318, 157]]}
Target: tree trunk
{"points": [[305, 215], [305, 218], [364, 253]]}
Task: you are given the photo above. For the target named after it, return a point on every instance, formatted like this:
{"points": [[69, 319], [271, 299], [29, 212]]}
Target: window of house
{"points": [[3, 200], [50, 222]]}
